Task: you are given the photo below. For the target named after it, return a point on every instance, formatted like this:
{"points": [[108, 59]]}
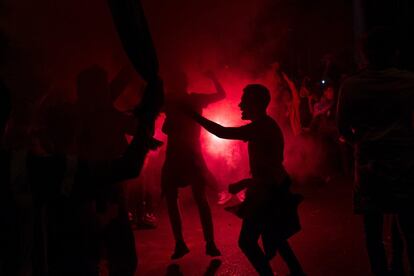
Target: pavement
{"points": [[330, 244]]}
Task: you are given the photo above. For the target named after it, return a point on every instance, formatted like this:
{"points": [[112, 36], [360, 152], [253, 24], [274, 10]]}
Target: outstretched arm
{"points": [[234, 133]]}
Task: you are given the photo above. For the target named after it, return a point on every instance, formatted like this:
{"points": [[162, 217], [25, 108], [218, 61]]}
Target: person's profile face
{"points": [[246, 107]]}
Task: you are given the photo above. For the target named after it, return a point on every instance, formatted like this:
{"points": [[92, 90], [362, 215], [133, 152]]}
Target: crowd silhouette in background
{"points": [[63, 206]]}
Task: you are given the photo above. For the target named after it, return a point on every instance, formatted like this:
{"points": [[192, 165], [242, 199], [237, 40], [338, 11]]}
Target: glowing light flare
{"points": [[227, 158], [224, 115]]}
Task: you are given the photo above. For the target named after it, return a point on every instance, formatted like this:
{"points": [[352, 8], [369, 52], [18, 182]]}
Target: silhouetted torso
{"points": [[265, 147], [102, 134], [381, 114], [378, 105], [183, 133]]}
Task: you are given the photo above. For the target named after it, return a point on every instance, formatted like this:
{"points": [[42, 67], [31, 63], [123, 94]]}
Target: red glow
{"points": [[227, 159]]}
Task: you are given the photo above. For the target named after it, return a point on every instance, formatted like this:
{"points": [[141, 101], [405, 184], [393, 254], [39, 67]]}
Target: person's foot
{"points": [[223, 197], [212, 250], [180, 250]]}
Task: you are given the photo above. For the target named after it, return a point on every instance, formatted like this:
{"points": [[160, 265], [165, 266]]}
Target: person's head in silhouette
{"points": [[176, 82], [254, 102], [381, 48]]}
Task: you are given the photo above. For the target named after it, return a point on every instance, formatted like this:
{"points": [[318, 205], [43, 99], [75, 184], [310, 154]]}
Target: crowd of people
{"points": [[63, 203]]}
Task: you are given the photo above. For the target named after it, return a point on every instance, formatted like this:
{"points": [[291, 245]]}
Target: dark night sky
{"points": [[52, 40]]}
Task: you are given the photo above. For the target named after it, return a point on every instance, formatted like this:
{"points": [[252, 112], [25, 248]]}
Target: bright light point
{"points": [[323, 81], [214, 144]]}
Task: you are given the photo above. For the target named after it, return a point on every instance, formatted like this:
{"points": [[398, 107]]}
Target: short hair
{"points": [[259, 94], [380, 46]]}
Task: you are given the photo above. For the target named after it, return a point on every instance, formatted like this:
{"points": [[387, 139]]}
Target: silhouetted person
{"points": [[8, 215], [184, 164], [101, 139], [397, 249], [375, 114], [270, 209]]}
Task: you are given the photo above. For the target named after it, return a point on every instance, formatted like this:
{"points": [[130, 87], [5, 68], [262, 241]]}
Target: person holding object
{"points": [[270, 209]]}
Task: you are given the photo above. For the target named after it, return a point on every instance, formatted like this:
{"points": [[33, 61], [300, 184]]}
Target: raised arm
{"points": [[292, 88], [206, 99], [244, 133]]}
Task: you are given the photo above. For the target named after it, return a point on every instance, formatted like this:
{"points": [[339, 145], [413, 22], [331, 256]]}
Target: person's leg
{"points": [[204, 210], [120, 244], [171, 195], [397, 249], [83, 239], [118, 235], [206, 219], [248, 243], [373, 226], [406, 223], [290, 258]]}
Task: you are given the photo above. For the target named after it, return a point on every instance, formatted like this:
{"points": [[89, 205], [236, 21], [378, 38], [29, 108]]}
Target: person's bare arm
{"points": [[206, 99], [292, 88], [310, 104], [234, 133]]}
